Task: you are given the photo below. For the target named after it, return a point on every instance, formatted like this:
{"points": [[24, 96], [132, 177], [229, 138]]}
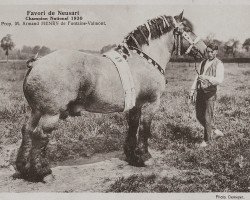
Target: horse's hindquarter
{"points": [[64, 76], [54, 80]]}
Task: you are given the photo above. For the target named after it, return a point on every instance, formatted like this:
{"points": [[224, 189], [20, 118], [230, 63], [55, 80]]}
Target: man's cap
{"points": [[212, 46]]}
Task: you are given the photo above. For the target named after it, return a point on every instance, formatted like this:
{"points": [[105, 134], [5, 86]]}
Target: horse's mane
{"points": [[158, 27]]}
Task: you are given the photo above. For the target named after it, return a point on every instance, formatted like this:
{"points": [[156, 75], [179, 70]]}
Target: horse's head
{"points": [[186, 42]]}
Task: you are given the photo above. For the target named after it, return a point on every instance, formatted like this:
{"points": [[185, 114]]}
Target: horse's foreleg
{"points": [[145, 128], [23, 156], [130, 147], [39, 164]]}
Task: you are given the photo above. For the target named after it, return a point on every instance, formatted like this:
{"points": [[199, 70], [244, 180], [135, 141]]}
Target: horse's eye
{"points": [[187, 29]]}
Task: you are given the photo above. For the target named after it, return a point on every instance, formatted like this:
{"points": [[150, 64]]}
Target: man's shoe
{"points": [[218, 133]]}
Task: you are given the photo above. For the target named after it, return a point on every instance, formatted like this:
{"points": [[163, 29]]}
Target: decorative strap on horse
{"points": [[125, 76], [149, 59], [125, 46], [189, 39]]}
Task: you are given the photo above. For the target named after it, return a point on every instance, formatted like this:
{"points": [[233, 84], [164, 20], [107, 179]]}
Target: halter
{"points": [[178, 33]]}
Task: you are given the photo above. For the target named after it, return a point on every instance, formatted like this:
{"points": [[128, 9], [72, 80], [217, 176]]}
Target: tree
{"points": [[209, 39], [7, 44], [44, 51], [26, 49], [217, 42], [231, 46], [36, 49], [246, 44]]}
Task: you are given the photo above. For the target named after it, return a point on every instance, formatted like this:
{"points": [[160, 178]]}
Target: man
{"points": [[203, 92]]}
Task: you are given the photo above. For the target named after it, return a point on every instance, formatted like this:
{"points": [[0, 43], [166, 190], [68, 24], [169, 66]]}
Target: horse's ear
{"points": [[181, 16]]}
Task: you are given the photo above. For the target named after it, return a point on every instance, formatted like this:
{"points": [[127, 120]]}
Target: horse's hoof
{"points": [[17, 175], [39, 175], [140, 164], [136, 162], [146, 156], [22, 168], [134, 157], [44, 172]]}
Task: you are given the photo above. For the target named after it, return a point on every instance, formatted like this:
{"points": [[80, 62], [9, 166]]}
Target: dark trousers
{"points": [[204, 112]]}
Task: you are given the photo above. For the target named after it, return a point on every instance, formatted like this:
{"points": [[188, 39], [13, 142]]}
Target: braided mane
{"points": [[158, 27], [141, 35]]}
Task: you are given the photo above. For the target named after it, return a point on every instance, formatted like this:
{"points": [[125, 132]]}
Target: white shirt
{"points": [[218, 79]]}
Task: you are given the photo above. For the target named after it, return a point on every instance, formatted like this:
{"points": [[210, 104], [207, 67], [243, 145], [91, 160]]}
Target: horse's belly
{"points": [[104, 102], [104, 107]]}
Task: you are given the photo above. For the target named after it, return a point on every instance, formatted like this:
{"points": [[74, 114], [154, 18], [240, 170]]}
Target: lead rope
{"points": [[196, 72], [196, 66], [179, 45], [175, 44]]}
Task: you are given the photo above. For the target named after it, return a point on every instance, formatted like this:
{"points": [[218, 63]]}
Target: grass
{"points": [[175, 130], [134, 183]]}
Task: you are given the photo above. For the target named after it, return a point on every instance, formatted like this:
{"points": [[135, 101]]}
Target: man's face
{"points": [[211, 54]]}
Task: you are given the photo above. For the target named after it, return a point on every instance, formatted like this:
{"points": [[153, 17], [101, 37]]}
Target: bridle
{"points": [[178, 35]]}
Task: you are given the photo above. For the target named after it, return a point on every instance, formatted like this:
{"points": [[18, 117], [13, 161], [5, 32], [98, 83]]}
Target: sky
{"points": [[223, 20]]}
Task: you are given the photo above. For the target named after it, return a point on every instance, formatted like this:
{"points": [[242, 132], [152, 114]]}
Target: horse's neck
{"points": [[160, 49]]}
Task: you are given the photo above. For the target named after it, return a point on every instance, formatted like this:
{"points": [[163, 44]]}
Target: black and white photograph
{"points": [[125, 97]]}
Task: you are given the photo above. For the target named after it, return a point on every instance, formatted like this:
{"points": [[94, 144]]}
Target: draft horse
{"points": [[65, 82]]}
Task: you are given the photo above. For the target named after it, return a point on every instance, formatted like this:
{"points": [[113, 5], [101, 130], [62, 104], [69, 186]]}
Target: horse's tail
{"points": [[31, 61], [29, 66], [25, 79]]}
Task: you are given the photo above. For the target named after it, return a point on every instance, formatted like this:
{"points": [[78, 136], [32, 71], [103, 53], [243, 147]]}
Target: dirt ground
{"points": [[93, 174]]}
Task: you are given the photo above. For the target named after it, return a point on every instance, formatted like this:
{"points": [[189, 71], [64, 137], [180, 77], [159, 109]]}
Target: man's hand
{"points": [[192, 96], [203, 79]]}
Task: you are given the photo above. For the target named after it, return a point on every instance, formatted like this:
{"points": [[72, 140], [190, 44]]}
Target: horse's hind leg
{"points": [[130, 147], [23, 156], [145, 128], [39, 164]]}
